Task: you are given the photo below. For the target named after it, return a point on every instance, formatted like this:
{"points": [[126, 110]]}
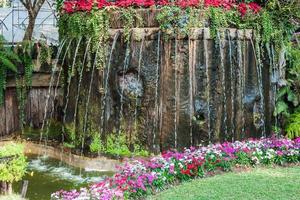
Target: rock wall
{"points": [[174, 91]]}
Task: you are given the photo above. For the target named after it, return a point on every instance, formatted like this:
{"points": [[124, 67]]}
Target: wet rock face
{"points": [[179, 92]]}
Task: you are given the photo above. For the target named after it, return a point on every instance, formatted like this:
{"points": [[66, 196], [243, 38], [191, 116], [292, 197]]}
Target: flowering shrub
{"points": [[71, 6], [141, 177]]}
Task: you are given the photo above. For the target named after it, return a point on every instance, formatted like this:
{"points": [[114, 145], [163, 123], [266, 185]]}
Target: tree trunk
{"points": [[30, 27]]}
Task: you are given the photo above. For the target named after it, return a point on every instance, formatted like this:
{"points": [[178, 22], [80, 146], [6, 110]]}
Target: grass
{"points": [[260, 183]]}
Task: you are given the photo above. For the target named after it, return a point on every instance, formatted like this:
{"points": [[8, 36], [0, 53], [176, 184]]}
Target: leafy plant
{"points": [[8, 62], [13, 164], [116, 145], [131, 18], [293, 127], [96, 145]]}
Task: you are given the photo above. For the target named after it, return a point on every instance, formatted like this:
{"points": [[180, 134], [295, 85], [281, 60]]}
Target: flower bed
{"points": [[141, 177], [87, 5]]}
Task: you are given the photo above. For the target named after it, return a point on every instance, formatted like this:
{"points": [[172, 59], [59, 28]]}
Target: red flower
{"points": [[103, 3], [163, 2], [242, 8], [84, 5], [254, 7], [69, 6], [187, 3], [186, 172]]}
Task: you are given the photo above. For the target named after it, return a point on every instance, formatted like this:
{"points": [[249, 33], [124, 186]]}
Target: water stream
{"points": [[157, 75], [47, 175]]}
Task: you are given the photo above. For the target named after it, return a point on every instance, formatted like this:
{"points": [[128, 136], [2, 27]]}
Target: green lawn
{"points": [[261, 183]]}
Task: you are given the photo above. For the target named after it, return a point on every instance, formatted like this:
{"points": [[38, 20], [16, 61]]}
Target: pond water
{"points": [[47, 175]]}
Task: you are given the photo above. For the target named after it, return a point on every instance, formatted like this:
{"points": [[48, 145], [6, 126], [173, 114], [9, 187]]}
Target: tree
{"points": [[33, 7]]}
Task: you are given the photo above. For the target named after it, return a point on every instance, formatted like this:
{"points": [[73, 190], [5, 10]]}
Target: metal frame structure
{"points": [[15, 18]]}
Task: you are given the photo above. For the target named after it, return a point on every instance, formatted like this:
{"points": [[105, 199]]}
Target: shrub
{"points": [[12, 164]]}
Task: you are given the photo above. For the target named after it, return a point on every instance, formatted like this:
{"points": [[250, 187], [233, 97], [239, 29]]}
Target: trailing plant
{"points": [[8, 62], [130, 19], [45, 53], [21, 97]]}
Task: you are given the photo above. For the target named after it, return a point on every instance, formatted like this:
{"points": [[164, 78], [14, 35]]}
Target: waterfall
{"points": [[56, 87], [240, 75], [70, 74], [156, 90], [50, 86], [80, 80], [103, 114], [221, 49], [275, 80], [207, 88], [139, 76], [88, 97], [231, 85], [192, 84], [256, 49], [176, 91], [125, 66], [260, 87], [244, 81]]}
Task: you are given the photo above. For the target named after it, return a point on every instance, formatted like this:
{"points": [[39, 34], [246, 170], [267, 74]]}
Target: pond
{"points": [[47, 175]]}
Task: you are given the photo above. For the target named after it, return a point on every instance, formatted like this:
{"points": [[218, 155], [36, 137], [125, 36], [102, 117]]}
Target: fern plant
{"points": [[8, 61], [293, 127]]}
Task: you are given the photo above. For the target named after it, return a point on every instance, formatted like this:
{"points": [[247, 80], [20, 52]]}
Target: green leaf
{"points": [[281, 107], [7, 63]]}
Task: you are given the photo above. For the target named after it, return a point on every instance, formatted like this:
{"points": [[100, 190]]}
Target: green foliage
{"points": [[45, 53], [293, 127], [13, 166], [116, 145], [217, 20], [8, 62], [131, 19], [174, 20], [96, 145], [93, 25], [70, 135]]}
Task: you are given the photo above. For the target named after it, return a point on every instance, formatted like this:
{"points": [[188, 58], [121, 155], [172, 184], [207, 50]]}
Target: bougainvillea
{"points": [[145, 176], [71, 6]]}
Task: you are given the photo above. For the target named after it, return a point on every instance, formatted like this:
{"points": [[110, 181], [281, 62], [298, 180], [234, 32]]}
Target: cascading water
{"points": [[125, 67], [103, 114], [56, 89], [221, 49], [156, 107], [70, 74], [50, 87], [80, 80], [138, 80], [231, 86], [261, 111], [176, 92], [192, 83], [207, 87], [274, 81], [240, 77], [88, 97]]}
